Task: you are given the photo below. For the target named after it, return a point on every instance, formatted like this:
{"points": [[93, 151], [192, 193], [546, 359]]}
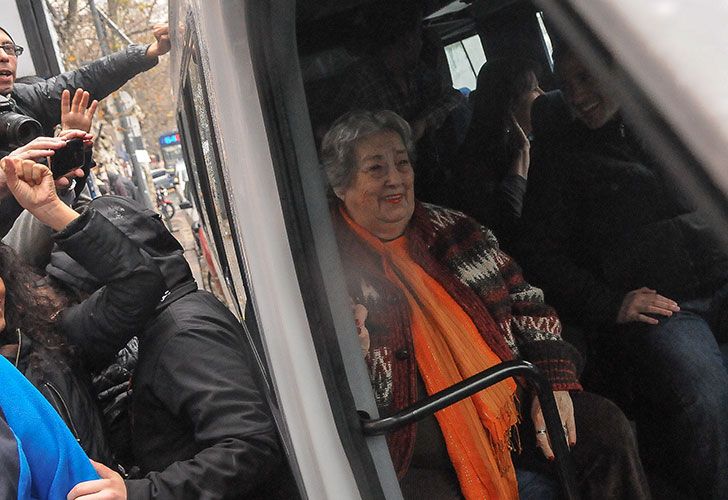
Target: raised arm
{"points": [[99, 78], [104, 322], [32, 186], [132, 287]]}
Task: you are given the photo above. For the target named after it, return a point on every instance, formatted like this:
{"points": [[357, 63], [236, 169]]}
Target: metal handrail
{"points": [[471, 385]]}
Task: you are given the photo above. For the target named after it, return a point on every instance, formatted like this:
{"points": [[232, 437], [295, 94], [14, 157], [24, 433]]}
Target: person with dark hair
{"points": [[494, 160], [201, 425], [435, 301], [36, 322], [621, 251]]}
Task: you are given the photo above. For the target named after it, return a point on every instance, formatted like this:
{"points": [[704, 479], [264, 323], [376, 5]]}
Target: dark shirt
{"points": [[601, 219]]}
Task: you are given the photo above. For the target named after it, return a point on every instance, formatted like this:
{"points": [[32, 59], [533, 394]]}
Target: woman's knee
{"points": [[601, 425]]}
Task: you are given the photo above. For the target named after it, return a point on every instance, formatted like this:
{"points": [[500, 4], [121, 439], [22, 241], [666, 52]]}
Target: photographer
{"points": [[42, 100], [33, 109], [28, 237]]}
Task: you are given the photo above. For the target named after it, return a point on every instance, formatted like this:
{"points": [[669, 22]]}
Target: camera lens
{"points": [[27, 130], [18, 130]]}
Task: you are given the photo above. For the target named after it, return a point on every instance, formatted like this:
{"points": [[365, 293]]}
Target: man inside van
{"points": [[620, 250]]}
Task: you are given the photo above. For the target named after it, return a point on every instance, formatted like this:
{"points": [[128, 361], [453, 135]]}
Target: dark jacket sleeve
{"points": [[550, 232], [111, 316], [206, 375], [100, 78]]}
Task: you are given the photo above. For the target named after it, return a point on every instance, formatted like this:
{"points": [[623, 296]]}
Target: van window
{"points": [[217, 210], [465, 58], [548, 46]]}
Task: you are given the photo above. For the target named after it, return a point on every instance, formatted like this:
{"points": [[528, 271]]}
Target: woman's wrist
{"points": [[57, 215]]}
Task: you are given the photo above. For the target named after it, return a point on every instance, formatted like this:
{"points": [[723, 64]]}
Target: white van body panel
{"points": [[247, 165]]}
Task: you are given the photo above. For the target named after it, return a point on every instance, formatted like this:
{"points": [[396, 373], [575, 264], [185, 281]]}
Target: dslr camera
{"points": [[15, 129]]}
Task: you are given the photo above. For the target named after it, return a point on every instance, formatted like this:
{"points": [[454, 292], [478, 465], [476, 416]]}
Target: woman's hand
{"points": [[110, 487], [566, 412], [360, 317], [645, 300], [38, 148], [32, 186], [522, 161], [77, 114], [162, 43]]}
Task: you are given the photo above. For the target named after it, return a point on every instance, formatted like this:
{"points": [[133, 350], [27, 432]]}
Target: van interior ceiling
{"points": [[332, 36]]}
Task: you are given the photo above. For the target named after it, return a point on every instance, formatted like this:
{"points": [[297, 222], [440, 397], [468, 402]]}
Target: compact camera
{"points": [[15, 129], [71, 156]]}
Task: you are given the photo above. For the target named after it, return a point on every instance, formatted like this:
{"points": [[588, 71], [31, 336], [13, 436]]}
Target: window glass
{"points": [[218, 210], [465, 57], [209, 185], [546, 39]]}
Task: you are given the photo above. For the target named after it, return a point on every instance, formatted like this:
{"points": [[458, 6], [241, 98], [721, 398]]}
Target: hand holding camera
{"points": [[32, 186], [65, 154]]}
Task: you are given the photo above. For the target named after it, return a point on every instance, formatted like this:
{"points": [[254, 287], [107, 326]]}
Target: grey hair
{"points": [[337, 147]]}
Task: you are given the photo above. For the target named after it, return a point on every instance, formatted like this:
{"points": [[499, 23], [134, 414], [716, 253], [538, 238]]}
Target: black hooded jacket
{"points": [[201, 424]]}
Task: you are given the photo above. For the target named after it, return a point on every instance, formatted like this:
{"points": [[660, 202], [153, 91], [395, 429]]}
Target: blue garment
{"points": [[49, 459], [536, 486]]}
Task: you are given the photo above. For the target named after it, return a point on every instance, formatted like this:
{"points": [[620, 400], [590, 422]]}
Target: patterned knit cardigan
{"points": [[464, 258]]}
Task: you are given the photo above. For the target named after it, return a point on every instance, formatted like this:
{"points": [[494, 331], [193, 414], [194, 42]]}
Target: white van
{"points": [[245, 74]]}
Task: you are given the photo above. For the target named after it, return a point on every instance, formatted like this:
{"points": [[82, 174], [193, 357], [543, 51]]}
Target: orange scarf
{"points": [[448, 349]]}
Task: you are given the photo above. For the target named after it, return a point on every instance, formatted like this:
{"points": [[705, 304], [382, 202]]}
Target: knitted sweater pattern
{"points": [[464, 257]]}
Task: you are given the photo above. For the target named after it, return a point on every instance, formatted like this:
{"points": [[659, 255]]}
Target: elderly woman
{"points": [[436, 301]]}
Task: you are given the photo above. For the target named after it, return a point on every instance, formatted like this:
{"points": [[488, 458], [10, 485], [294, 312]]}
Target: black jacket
{"points": [[202, 428], [99, 326], [12, 461], [42, 100], [100, 78], [601, 219], [64, 382], [201, 424], [66, 385]]}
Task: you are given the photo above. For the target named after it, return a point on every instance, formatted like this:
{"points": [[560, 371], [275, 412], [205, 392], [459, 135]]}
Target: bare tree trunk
{"points": [[113, 10], [71, 15]]}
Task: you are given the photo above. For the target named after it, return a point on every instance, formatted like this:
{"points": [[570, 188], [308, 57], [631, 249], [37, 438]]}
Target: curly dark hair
{"points": [[26, 307]]}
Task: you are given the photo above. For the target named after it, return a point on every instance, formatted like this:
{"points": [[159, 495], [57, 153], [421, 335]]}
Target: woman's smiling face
{"points": [[381, 196], [591, 104]]}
